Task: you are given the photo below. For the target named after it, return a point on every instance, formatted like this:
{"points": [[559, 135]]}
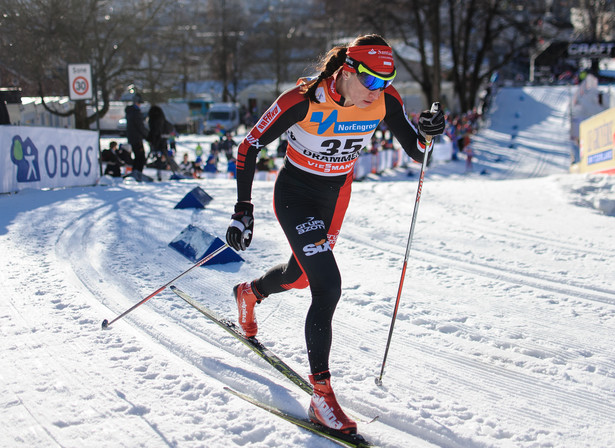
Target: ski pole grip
{"points": [[435, 107]]}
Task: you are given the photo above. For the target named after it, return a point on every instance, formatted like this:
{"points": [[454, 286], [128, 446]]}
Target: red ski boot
{"points": [[324, 408], [246, 299]]}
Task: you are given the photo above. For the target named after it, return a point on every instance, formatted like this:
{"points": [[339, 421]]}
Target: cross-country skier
{"points": [[328, 120]]}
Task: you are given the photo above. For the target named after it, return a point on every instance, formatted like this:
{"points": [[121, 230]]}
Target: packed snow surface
{"points": [[504, 336]]}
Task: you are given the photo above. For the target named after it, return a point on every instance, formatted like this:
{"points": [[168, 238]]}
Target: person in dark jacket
{"points": [[4, 113], [160, 129], [114, 163], [136, 132]]}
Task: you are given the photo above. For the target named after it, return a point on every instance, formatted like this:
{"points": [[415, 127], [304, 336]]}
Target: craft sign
{"points": [[80, 81]]}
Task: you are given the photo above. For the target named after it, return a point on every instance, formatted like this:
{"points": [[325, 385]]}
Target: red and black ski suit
{"points": [[312, 190]]}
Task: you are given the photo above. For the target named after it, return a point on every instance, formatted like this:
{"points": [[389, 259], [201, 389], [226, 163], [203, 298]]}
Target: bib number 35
{"points": [[334, 146]]}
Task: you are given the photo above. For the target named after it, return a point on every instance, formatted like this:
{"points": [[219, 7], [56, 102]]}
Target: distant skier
{"points": [[328, 120]]}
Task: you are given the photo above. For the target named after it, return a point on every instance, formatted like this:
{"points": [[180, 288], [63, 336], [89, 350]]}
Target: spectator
{"points": [[160, 129], [226, 146], [469, 154], [4, 113], [198, 167], [451, 132], [282, 146], [114, 163], [125, 155], [199, 150], [265, 163], [215, 149], [212, 165], [136, 132], [186, 167], [231, 168]]}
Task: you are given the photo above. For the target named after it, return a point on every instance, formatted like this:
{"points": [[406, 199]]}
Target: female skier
{"points": [[328, 120]]}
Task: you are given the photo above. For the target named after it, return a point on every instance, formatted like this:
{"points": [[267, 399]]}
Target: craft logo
{"points": [[268, 117], [253, 141], [29, 161], [342, 127]]}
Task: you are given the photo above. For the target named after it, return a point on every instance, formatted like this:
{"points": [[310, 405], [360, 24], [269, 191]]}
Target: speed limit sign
{"points": [[80, 81]]}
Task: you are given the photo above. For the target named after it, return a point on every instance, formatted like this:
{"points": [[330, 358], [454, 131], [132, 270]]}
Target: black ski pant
{"points": [[310, 210]]}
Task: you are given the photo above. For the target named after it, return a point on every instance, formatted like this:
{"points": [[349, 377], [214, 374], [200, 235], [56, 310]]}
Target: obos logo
{"points": [[25, 155], [317, 248]]}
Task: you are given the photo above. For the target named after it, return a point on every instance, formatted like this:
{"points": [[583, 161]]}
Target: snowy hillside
{"points": [[504, 336]]}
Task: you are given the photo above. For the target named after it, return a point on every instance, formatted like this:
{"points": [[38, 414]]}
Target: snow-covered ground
{"points": [[504, 336]]}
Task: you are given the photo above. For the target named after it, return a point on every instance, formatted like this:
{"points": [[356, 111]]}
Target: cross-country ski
{"points": [[351, 440]]}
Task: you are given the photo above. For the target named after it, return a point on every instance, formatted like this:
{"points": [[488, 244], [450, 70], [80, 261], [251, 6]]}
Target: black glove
{"points": [[239, 232], [431, 123]]}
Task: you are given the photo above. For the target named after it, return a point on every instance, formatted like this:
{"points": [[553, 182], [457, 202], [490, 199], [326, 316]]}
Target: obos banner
{"points": [[38, 157]]}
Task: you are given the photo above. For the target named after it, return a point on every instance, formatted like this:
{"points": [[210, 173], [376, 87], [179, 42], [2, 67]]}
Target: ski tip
{"points": [[105, 324]]}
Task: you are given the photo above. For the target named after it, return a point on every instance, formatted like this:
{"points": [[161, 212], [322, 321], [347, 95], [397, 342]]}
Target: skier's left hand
{"points": [[431, 123]]}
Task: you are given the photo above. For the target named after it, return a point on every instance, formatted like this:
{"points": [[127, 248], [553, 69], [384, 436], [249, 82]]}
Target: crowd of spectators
{"points": [[459, 129]]}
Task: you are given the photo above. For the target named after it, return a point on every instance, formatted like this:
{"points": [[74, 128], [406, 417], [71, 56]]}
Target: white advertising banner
{"points": [[39, 157]]}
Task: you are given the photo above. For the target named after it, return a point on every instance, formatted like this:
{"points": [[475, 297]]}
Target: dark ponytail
{"points": [[333, 60]]}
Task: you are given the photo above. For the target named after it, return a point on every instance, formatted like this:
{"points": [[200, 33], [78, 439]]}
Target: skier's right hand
{"points": [[239, 232]]}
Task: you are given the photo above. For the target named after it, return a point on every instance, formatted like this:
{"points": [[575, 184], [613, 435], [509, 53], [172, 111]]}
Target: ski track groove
{"points": [[491, 382], [49, 357], [538, 283], [483, 269], [259, 374], [565, 403], [83, 230], [542, 239]]}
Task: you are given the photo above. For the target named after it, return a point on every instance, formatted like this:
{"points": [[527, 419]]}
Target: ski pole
{"points": [[106, 323], [435, 107]]}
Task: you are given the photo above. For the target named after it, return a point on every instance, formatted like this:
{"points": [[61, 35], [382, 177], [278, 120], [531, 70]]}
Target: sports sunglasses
{"points": [[369, 79]]}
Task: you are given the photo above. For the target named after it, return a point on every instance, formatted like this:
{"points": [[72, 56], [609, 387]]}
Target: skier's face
{"points": [[357, 94]]}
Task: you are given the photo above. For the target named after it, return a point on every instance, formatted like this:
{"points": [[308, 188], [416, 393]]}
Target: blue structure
{"points": [[197, 198], [195, 244]]}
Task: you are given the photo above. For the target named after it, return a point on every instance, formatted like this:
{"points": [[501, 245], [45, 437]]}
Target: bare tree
{"points": [[482, 36], [41, 37], [227, 21], [596, 18], [413, 26]]}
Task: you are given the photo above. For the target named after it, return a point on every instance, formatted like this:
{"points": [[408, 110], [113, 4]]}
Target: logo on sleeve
{"points": [[268, 117]]}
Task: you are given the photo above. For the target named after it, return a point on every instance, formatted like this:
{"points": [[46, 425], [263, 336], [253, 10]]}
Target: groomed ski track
{"points": [[492, 346]]}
